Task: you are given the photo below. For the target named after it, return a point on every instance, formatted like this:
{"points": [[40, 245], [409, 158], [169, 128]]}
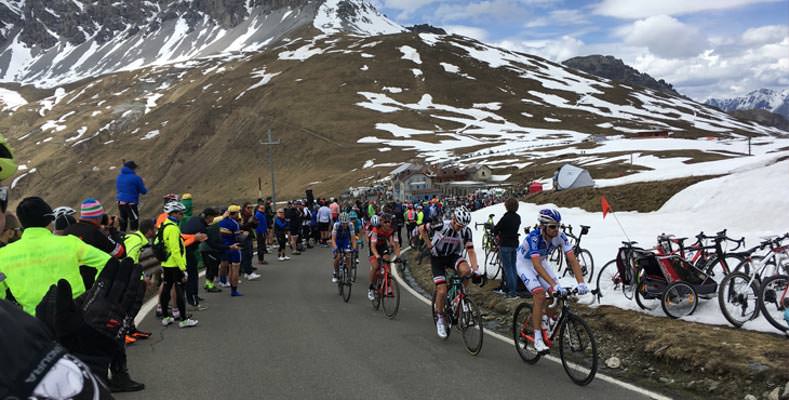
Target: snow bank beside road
{"points": [[748, 203]]}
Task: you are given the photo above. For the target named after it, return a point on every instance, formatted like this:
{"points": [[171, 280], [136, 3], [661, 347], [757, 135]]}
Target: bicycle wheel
{"points": [[471, 326], [340, 283], [522, 331], [345, 279], [774, 301], [717, 268], [578, 350], [435, 314], [645, 299], [608, 281], [496, 265], [748, 264], [738, 301], [390, 297], [354, 267], [679, 300], [586, 262]]}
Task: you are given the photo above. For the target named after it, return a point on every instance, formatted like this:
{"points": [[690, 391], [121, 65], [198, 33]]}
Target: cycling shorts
{"points": [[342, 245], [439, 265], [527, 273]]}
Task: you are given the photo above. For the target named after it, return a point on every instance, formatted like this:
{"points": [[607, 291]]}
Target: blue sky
{"points": [[706, 48]]}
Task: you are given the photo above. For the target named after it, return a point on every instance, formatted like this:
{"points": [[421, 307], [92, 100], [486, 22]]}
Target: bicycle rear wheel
{"points": [[774, 301], [645, 299], [340, 282], [390, 297], [738, 301], [495, 265], [522, 332], [608, 281], [447, 310], [586, 262], [345, 279], [471, 326], [578, 350], [377, 291], [717, 268], [556, 258]]}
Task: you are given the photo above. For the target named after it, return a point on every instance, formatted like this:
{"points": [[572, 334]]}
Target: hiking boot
{"points": [[121, 382]]}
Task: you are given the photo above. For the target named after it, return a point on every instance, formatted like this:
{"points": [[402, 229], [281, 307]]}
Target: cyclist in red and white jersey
{"points": [[449, 239], [382, 239]]}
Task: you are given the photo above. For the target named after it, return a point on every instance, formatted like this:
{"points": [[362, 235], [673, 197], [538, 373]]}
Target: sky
{"points": [[705, 48]]}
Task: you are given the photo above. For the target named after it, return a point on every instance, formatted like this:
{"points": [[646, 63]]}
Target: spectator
{"points": [[280, 230], [212, 250], [11, 232], [197, 226], [89, 230], [324, 220], [506, 230], [129, 187], [230, 228], [248, 225], [261, 233], [174, 267], [335, 210], [294, 215]]}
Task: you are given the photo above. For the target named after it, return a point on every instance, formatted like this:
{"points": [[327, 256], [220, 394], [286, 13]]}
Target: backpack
{"points": [[159, 248]]}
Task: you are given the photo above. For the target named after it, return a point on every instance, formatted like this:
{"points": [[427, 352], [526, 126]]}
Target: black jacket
{"points": [[214, 241], [507, 229]]}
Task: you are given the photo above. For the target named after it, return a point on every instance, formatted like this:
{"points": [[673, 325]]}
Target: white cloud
{"points": [[665, 37], [469, 31], [562, 17], [630, 9], [558, 49], [765, 34]]}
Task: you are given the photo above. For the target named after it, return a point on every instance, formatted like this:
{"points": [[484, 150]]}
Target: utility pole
{"points": [[270, 143]]}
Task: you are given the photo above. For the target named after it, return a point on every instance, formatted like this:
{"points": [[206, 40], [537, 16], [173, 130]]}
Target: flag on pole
{"points": [[604, 204]]}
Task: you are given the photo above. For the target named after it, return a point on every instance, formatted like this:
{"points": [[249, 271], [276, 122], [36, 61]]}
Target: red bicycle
{"points": [[387, 291]]}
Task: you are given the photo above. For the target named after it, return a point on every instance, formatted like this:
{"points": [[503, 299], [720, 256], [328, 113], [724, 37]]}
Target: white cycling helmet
{"points": [[174, 206], [462, 216], [375, 221], [61, 212], [344, 218]]}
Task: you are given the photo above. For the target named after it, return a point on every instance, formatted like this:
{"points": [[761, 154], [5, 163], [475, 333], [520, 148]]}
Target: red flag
{"points": [[604, 204]]}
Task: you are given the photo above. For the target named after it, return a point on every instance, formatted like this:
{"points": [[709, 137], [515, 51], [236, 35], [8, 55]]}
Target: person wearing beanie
{"points": [[88, 228], [129, 187]]}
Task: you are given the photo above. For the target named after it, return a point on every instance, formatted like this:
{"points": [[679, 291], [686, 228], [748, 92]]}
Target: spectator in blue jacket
{"points": [[129, 187], [261, 232]]}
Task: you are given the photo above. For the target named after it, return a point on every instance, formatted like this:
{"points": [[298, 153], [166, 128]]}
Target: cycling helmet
{"points": [[462, 216], [174, 206], [374, 221], [344, 218], [61, 212], [7, 162], [549, 216]]}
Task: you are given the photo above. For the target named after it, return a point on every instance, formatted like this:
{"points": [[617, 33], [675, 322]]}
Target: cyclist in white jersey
{"points": [[537, 275], [450, 238]]}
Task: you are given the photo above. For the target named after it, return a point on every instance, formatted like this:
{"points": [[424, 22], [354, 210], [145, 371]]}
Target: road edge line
{"points": [[495, 335]]}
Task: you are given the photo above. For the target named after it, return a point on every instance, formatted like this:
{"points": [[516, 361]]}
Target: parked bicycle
{"points": [[461, 311], [577, 346], [620, 273], [491, 267], [583, 256], [738, 295], [774, 301], [386, 289]]}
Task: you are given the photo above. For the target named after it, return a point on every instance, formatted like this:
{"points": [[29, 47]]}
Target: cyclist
{"points": [[64, 217], [449, 240], [382, 240], [533, 269], [343, 238]]}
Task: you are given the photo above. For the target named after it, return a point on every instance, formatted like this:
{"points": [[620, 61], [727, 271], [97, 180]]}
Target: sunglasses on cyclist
{"points": [[552, 226]]}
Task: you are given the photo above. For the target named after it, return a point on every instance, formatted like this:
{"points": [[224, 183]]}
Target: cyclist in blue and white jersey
{"points": [[343, 237], [535, 272]]}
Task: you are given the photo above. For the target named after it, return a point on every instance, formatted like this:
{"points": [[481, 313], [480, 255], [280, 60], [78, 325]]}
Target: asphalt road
{"points": [[292, 337]]}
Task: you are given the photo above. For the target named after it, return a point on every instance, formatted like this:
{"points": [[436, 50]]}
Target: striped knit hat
{"points": [[90, 209]]}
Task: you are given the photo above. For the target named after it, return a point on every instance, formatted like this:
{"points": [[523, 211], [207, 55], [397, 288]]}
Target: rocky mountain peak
{"points": [[610, 67]]}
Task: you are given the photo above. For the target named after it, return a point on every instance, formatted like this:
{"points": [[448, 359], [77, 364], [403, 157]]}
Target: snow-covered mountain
{"points": [[776, 101], [50, 42]]}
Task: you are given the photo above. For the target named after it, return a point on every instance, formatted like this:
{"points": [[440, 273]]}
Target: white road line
{"points": [[609, 379]]}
